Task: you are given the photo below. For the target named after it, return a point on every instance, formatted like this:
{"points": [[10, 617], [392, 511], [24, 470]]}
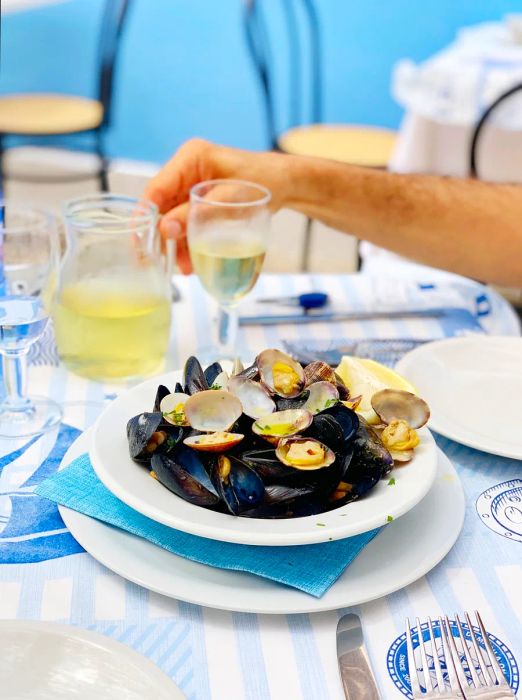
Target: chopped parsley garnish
{"points": [[215, 387], [391, 482], [320, 524], [330, 402], [389, 519]]}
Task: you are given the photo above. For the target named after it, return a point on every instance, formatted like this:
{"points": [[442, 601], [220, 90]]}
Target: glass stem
{"points": [[14, 365], [227, 330]]}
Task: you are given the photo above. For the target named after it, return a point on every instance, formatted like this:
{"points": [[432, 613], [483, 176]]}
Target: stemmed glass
{"points": [[227, 231], [29, 243]]}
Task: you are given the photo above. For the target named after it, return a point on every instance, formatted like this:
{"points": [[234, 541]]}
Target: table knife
{"points": [[336, 316], [356, 674]]}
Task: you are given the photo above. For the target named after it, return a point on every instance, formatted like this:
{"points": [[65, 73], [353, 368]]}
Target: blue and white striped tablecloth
{"points": [[215, 655]]}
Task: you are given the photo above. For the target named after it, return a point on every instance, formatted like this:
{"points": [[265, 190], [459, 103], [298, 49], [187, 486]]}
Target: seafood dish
{"points": [[274, 439]]}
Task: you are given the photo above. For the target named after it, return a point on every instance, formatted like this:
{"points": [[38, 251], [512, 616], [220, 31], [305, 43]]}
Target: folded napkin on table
{"points": [[309, 568]]}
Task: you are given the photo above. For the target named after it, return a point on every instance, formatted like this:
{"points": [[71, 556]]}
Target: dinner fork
{"points": [[482, 684], [437, 690], [476, 685]]}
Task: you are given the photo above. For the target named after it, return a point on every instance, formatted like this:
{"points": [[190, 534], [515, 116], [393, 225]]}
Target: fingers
{"points": [[192, 163], [174, 225]]}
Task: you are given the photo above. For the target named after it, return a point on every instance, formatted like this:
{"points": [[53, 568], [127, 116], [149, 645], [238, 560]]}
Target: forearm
{"points": [[469, 227]]}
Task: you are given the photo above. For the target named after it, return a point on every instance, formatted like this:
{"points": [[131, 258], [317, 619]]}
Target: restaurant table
{"points": [[217, 655]]}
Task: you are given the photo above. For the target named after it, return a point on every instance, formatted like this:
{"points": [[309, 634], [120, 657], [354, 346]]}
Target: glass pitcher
{"points": [[112, 307]]}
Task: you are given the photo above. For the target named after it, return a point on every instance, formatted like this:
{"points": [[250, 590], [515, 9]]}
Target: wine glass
{"points": [[29, 246], [227, 230]]}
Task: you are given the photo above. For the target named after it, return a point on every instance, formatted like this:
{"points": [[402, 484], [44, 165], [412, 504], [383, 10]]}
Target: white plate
{"points": [[47, 661], [473, 386], [403, 552], [132, 484]]}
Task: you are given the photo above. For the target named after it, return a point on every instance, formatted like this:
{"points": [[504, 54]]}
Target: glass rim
{"points": [[262, 201], [45, 218], [148, 215]]}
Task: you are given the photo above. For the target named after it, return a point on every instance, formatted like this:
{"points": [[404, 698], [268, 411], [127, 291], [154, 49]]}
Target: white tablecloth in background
{"points": [[444, 98]]}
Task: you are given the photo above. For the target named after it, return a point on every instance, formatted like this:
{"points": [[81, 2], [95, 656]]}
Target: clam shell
{"points": [[255, 400], [265, 362], [319, 371], [322, 395], [392, 404], [221, 381], [219, 445], [213, 410], [169, 403], [290, 423], [285, 444]]}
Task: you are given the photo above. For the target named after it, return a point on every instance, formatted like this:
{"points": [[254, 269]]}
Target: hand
{"points": [[199, 160]]}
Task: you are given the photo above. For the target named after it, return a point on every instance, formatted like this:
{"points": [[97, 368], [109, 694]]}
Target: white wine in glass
{"points": [[227, 232]]}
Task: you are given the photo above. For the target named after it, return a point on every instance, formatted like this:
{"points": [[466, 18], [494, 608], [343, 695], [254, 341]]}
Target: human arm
{"points": [[469, 227]]}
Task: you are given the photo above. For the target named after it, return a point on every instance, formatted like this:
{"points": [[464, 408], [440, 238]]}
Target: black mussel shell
{"points": [[286, 404], [347, 419], [180, 481], [370, 450], [251, 372], [327, 430], [178, 389], [212, 372], [139, 431], [160, 395], [194, 377], [343, 391], [241, 488], [265, 463]]}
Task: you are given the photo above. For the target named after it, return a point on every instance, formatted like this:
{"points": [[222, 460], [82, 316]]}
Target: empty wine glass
{"points": [[28, 242], [227, 232]]}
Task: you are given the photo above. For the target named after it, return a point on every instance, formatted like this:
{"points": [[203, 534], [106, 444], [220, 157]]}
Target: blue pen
{"points": [[309, 300]]}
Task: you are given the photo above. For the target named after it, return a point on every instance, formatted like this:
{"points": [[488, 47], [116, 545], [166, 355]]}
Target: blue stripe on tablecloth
{"points": [[193, 614], [250, 649], [307, 657]]}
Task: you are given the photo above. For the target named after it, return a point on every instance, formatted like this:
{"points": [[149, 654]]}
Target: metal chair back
{"points": [[475, 139], [302, 39], [113, 20]]}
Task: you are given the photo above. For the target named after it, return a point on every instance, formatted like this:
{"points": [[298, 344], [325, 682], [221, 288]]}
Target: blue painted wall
{"points": [[184, 70]]}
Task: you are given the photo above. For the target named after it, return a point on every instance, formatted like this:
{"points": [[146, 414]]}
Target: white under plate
{"points": [[47, 661], [405, 550], [473, 387], [133, 485]]}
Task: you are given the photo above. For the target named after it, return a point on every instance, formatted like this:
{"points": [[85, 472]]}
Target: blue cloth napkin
{"points": [[309, 568]]}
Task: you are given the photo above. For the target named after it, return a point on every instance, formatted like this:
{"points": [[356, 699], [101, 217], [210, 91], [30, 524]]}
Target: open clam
{"points": [[255, 400], [280, 373], [394, 404], [304, 453], [321, 395], [213, 412], [172, 406], [319, 371], [282, 424]]}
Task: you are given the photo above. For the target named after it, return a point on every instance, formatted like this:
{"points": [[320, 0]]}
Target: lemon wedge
{"points": [[365, 377]]}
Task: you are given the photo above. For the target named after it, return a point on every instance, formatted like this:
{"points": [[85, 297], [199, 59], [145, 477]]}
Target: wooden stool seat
{"points": [[359, 145], [46, 114]]}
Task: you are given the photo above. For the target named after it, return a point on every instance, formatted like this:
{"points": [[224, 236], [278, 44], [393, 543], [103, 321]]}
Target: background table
{"points": [[221, 655]]}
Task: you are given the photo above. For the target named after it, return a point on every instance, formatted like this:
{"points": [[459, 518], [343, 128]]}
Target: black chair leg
{"points": [[103, 172], [103, 176]]}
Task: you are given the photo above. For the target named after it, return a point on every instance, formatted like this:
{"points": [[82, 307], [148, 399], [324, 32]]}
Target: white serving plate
{"points": [[47, 661], [405, 550], [473, 386], [133, 485]]}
